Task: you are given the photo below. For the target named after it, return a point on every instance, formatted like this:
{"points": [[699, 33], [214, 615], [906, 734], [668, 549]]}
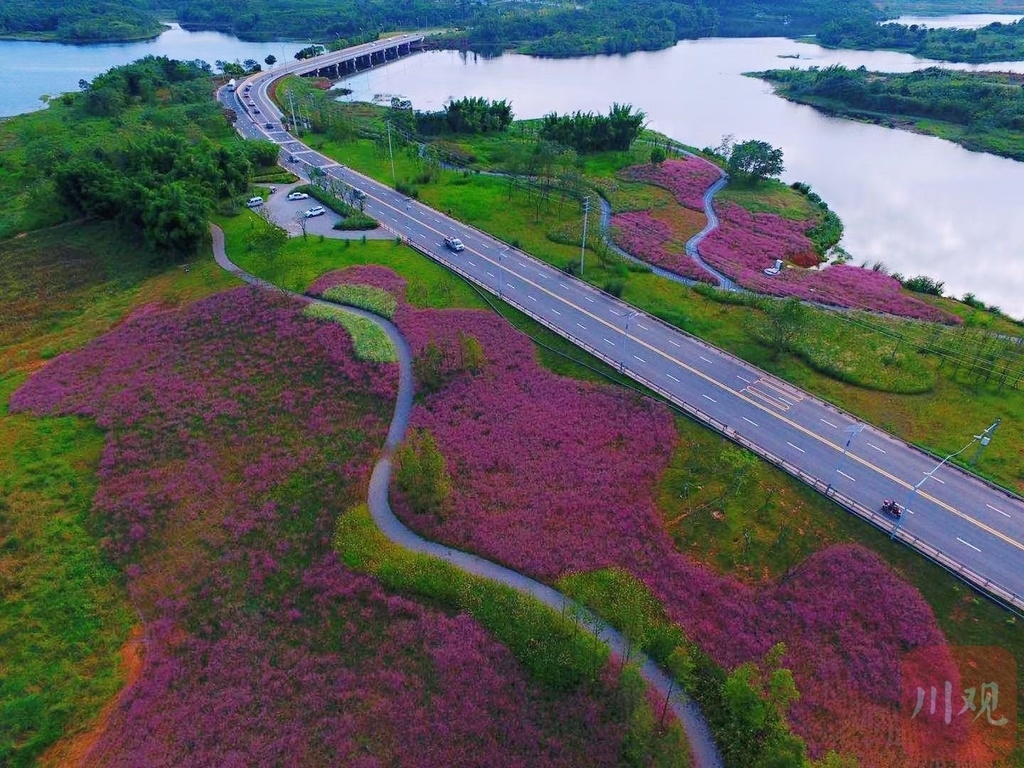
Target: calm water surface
{"points": [[919, 204], [30, 70], [959, 21]]}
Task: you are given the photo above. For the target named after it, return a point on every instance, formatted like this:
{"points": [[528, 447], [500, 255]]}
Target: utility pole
{"points": [[391, 154], [291, 103], [583, 248]]}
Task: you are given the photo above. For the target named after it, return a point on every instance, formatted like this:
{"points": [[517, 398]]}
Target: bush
{"points": [[923, 284], [614, 287]]}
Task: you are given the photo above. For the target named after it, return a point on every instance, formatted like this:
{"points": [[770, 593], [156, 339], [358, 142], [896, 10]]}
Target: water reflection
{"points": [[919, 204]]}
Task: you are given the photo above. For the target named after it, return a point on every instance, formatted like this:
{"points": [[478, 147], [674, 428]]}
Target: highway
{"points": [[953, 517]]}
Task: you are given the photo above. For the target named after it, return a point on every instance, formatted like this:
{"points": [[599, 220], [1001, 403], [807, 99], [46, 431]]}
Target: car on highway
{"points": [[255, 110], [269, 126], [316, 210], [454, 244], [298, 196]]}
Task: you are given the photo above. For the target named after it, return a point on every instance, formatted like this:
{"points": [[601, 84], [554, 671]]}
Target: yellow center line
{"points": [[720, 385]]}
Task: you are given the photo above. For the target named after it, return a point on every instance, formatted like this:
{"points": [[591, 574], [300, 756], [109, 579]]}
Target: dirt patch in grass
{"points": [[71, 752]]}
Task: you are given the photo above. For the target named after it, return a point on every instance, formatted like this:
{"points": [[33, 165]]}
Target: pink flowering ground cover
{"points": [[553, 476], [744, 244], [653, 240], [686, 178], [237, 430]]}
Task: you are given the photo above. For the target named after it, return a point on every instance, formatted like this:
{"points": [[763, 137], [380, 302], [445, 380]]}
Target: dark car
{"points": [[269, 126]]}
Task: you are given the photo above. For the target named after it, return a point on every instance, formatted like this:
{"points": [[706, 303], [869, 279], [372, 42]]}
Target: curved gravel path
{"points": [[702, 747], [691, 245]]}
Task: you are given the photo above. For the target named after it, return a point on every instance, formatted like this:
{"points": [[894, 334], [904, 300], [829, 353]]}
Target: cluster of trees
{"points": [[79, 21], [989, 106], [470, 114], [587, 132], [148, 168], [996, 42]]}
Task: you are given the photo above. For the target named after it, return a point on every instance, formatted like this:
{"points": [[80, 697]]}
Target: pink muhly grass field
{"points": [[686, 178], [650, 239], [553, 476], [237, 431]]}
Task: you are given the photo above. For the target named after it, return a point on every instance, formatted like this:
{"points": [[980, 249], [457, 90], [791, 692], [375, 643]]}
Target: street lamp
{"points": [[625, 335], [985, 437], [501, 273], [851, 431], [583, 248]]}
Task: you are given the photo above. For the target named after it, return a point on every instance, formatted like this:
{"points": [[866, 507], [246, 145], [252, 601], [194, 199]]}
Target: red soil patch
{"points": [[71, 751]]}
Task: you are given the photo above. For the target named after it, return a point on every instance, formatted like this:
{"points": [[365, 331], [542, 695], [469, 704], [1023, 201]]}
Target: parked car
{"points": [[255, 202], [316, 210], [298, 196], [454, 244]]}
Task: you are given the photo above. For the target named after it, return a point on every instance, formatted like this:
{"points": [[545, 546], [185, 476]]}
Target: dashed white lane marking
{"points": [[826, 421], [671, 377], [673, 343], [937, 480], [706, 359], [795, 446], [491, 274], [709, 397], [751, 422], [741, 378], [555, 311], [589, 299], [609, 341], [996, 509], [880, 450], [531, 298], [471, 263], [581, 325], [615, 313], [641, 325], [640, 359], [967, 543], [846, 476]]}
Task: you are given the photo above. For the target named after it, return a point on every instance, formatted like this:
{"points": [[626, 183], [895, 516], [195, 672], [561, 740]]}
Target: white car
{"points": [[454, 244], [316, 210], [255, 202], [298, 196]]}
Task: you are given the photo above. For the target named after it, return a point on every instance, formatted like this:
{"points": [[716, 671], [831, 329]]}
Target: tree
{"points": [[422, 474], [658, 156], [757, 160], [783, 322], [271, 60], [174, 219]]}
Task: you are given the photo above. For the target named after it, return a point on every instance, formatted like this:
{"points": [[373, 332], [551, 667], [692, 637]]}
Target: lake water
{"points": [[33, 69], [959, 21], [919, 204]]}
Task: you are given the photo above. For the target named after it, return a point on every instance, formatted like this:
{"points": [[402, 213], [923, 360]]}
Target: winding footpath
{"points": [[703, 751]]}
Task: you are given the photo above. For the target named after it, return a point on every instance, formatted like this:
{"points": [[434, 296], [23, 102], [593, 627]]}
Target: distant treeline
{"points": [[557, 28], [983, 111], [996, 42], [79, 21]]}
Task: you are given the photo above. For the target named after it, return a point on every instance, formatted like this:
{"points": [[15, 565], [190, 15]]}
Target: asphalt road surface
{"points": [[953, 516]]}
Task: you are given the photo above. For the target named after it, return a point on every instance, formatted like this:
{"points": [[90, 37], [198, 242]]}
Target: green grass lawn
{"points": [[63, 612]]}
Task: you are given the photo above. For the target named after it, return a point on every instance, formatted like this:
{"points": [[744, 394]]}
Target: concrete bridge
{"points": [[340, 64]]}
